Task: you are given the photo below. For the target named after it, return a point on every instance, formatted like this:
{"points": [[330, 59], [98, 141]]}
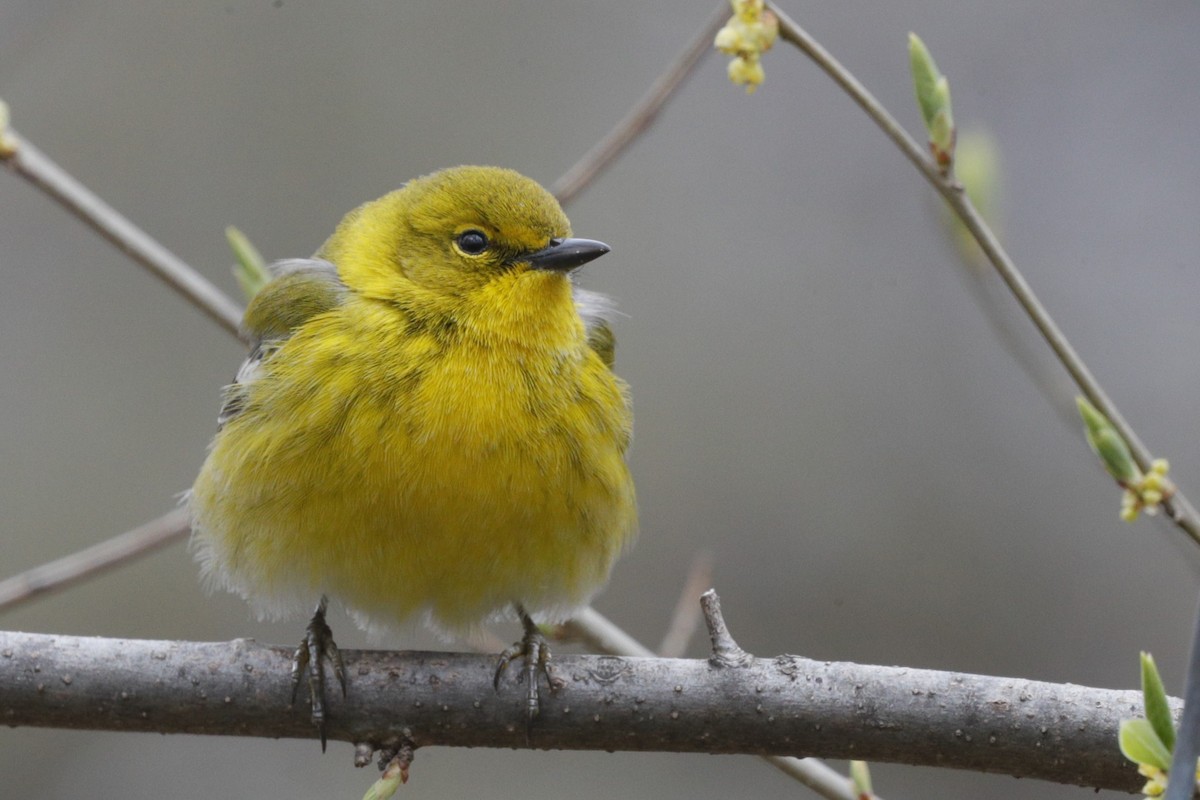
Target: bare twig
{"points": [[604, 636], [66, 571], [686, 616], [35, 167], [816, 775], [1179, 509], [784, 704], [642, 114]]}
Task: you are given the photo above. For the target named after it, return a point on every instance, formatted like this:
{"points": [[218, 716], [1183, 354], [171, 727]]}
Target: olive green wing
{"points": [[597, 311], [299, 290], [601, 339]]}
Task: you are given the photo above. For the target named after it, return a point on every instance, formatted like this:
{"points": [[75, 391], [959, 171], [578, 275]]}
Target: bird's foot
{"points": [[317, 647], [535, 654]]}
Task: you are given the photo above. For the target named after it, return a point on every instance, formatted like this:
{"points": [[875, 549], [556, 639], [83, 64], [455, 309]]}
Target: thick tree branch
{"points": [[782, 705]]}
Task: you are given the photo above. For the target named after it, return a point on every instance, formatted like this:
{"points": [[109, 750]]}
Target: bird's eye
{"points": [[472, 242]]}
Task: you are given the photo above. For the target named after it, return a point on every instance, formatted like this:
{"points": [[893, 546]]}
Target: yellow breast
{"points": [[404, 466]]}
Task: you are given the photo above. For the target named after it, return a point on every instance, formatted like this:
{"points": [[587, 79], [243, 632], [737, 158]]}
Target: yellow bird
{"points": [[427, 425]]}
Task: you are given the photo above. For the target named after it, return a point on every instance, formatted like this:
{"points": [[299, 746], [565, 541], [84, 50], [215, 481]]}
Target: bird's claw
{"points": [[317, 647], [535, 653]]}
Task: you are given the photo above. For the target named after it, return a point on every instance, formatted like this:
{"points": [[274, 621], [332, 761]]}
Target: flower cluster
{"points": [[1148, 492], [748, 34]]}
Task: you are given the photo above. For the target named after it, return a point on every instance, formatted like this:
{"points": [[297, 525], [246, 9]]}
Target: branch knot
{"points": [[725, 651]]}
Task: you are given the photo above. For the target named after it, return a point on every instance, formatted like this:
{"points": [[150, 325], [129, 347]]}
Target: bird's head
{"points": [[453, 233]]}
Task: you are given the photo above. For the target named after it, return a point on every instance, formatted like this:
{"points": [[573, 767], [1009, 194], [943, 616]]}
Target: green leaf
{"points": [[1108, 444], [1141, 745], [383, 788], [1093, 420], [250, 270], [860, 776], [933, 96], [941, 128], [1158, 712], [941, 134], [393, 775], [1116, 457], [925, 78]]}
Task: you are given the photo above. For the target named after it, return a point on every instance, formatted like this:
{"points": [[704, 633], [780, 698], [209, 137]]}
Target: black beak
{"points": [[564, 255]]}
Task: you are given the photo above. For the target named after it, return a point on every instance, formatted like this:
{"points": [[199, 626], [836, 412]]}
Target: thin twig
{"points": [[35, 167], [604, 636], [816, 775], [69, 570], [686, 616], [1179, 509], [642, 114]]}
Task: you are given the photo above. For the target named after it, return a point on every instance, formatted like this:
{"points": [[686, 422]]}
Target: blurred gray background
{"points": [[820, 401]]}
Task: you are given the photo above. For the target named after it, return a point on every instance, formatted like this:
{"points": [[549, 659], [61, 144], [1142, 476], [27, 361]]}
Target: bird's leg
{"points": [[317, 646], [536, 655]]}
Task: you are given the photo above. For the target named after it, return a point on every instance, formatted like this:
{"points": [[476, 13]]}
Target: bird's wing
{"points": [[597, 311], [299, 290]]}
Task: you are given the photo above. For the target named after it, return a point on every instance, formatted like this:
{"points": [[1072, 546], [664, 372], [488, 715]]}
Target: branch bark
{"points": [[783, 705]]}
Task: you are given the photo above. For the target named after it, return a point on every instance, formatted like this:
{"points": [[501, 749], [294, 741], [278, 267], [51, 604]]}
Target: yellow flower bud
{"points": [[728, 41], [755, 75], [748, 34]]}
